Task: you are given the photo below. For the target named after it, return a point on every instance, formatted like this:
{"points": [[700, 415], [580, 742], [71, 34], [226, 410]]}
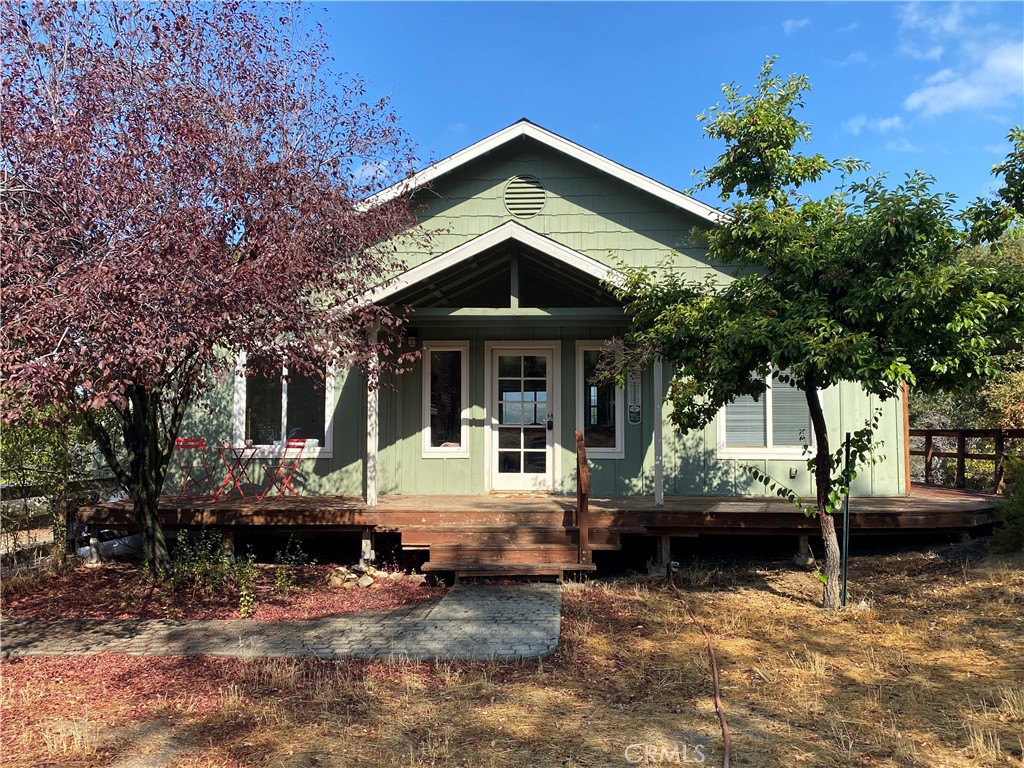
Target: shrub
{"points": [[1009, 537]]}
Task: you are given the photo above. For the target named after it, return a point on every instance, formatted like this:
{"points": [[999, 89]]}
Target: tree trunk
{"points": [[145, 498], [823, 487], [147, 466]]}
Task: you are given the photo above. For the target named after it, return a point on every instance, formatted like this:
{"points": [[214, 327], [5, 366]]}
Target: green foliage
{"points": [[51, 449], [201, 562], [871, 284], [245, 578], [1009, 537], [287, 561], [864, 451]]}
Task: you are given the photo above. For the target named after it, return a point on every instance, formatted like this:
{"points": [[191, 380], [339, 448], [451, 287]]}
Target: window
{"points": [[271, 409], [779, 424], [445, 400], [599, 407]]}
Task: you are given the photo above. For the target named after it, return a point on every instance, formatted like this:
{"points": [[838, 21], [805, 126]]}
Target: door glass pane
{"points": [[508, 462], [534, 462], [509, 438], [535, 438], [510, 365], [536, 390], [510, 413], [535, 365], [510, 389]]}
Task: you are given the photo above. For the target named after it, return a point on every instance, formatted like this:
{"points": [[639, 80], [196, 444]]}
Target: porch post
{"points": [[372, 427], [656, 410]]}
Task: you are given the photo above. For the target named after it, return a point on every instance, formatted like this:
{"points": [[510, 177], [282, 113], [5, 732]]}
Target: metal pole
{"points": [[846, 520]]}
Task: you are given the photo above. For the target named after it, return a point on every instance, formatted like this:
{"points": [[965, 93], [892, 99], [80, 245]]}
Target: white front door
{"points": [[522, 418]]}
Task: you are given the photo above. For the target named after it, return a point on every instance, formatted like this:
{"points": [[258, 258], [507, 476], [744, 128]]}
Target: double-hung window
{"points": [[776, 425], [445, 399], [599, 405], [270, 409]]}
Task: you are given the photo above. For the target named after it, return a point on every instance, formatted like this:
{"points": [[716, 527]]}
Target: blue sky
{"points": [[931, 86]]}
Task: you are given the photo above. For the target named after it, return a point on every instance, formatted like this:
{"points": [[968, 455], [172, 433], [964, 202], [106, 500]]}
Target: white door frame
{"points": [[491, 408]]}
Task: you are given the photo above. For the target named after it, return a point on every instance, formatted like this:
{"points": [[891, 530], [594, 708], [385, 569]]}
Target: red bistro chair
{"points": [[195, 474], [281, 476]]}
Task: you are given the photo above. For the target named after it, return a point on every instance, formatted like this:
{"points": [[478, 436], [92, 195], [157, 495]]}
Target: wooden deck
{"points": [[526, 533], [927, 508]]}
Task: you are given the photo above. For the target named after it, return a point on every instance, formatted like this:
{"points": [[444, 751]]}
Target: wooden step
{"points": [[420, 536], [525, 554], [507, 569], [397, 520]]}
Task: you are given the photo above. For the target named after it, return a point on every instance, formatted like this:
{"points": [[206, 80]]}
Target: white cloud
{"points": [[998, 149], [855, 125], [849, 27], [979, 85], [902, 145], [981, 61], [857, 57], [934, 18], [886, 124], [789, 26]]}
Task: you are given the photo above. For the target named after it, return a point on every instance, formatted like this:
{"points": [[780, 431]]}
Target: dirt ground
{"points": [[925, 668]]}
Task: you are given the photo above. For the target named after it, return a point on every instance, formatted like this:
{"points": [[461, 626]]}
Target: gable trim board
{"points": [[525, 129]]}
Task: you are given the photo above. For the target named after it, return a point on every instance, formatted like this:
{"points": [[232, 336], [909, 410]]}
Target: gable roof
{"points": [[510, 230], [524, 128]]}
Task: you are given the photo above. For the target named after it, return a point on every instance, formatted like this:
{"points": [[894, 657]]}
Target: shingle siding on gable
{"points": [[585, 210]]}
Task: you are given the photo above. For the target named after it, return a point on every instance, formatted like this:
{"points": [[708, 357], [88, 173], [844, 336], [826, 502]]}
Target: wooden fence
{"points": [[994, 449]]}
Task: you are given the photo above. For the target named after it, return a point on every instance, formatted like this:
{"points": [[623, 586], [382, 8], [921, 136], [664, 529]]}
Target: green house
{"points": [[506, 281]]}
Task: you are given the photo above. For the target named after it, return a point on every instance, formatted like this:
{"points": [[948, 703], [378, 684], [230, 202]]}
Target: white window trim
{"points": [[770, 452], [437, 452], [619, 451], [325, 451]]}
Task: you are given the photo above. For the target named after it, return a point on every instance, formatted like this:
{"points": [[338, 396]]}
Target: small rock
{"points": [[365, 581], [348, 585], [417, 578], [338, 576], [396, 576], [377, 585]]}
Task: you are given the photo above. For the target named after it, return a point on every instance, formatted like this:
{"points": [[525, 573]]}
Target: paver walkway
{"points": [[472, 621]]}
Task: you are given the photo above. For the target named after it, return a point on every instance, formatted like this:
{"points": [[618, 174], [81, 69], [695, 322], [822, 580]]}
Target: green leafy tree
{"points": [[49, 450], [868, 284]]}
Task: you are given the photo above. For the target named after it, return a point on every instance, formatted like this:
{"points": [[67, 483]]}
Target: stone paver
{"points": [[472, 621]]}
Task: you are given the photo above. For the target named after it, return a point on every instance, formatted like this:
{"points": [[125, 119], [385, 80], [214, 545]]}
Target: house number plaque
{"points": [[634, 397]]}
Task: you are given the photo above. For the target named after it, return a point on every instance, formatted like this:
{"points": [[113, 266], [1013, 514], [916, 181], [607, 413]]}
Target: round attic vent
{"points": [[524, 196]]}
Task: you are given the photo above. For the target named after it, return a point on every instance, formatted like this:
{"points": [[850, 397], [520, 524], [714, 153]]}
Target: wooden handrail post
{"points": [[929, 457], [961, 459], [999, 484], [582, 499]]}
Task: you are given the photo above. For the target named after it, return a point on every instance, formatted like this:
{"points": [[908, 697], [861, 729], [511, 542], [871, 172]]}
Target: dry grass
{"points": [[929, 672]]}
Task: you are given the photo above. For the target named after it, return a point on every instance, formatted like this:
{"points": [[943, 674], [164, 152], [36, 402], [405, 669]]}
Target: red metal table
{"points": [[236, 460]]}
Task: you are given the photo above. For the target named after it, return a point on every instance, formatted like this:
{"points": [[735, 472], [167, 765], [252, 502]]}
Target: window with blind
{"points": [[779, 423]]}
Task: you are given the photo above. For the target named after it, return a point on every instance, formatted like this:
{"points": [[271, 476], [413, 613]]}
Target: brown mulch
{"points": [[123, 591]]}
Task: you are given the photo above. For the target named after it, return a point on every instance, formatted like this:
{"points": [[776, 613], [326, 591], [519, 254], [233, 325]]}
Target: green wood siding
{"points": [[589, 212]]}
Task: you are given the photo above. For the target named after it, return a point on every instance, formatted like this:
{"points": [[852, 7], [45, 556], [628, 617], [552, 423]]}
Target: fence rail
{"points": [[582, 499], [998, 438]]}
